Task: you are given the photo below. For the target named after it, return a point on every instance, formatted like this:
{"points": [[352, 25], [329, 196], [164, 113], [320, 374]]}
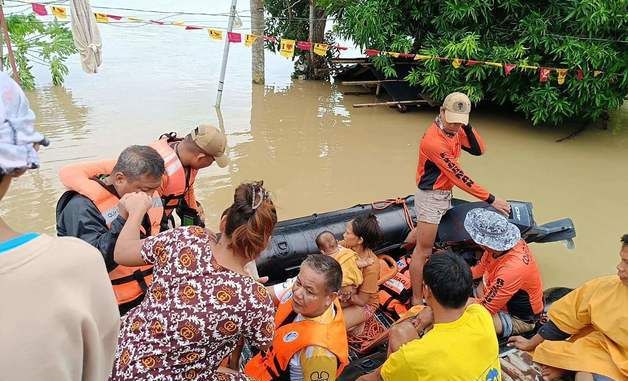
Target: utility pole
{"points": [[225, 53], [257, 53]]}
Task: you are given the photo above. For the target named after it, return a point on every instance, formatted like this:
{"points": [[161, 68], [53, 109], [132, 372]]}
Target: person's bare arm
{"points": [[129, 244]]}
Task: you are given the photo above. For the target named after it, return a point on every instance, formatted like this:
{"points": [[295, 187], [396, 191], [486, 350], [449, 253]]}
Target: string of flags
{"points": [[287, 47]]}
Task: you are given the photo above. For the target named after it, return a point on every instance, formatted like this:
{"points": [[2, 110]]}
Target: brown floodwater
{"points": [[314, 151]]}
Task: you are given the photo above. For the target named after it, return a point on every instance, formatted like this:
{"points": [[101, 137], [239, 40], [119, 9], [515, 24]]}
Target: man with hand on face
{"points": [[93, 211], [310, 340], [438, 171]]}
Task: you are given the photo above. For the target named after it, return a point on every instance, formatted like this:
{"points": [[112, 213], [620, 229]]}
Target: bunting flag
{"points": [[304, 45], [544, 74], [60, 13], [579, 75], [249, 40], [508, 68], [321, 49], [215, 34], [39, 9], [562, 74], [234, 37], [101, 17], [286, 47]]}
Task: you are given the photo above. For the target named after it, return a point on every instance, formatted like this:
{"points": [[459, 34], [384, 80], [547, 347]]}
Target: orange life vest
{"points": [[128, 282], [394, 294], [175, 186], [291, 337]]}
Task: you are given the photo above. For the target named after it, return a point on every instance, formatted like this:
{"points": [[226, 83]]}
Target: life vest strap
{"points": [[137, 276]]}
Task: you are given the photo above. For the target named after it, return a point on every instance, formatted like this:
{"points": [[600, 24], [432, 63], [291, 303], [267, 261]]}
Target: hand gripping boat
{"points": [[294, 239]]}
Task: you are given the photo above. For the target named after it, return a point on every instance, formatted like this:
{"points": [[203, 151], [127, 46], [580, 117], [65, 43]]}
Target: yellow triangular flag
{"points": [[101, 17], [456, 63], [562, 73], [420, 57], [286, 48], [496, 64], [249, 40], [178, 23], [133, 19], [597, 72], [215, 34], [393, 54], [321, 49], [60, 12]]}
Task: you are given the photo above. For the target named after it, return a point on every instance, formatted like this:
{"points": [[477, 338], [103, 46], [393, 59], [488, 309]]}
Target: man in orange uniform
{"points": [[437, 173], [511, 288], [310, 340]]}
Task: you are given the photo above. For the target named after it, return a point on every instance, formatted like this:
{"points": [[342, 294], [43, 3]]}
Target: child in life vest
{"points": [[349, 261]]}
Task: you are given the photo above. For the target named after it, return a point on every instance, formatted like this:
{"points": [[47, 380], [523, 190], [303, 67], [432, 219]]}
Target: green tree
{"points": [[587, 34], [34, 41]]}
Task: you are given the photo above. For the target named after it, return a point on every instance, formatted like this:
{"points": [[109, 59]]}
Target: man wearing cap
{"points": [[438, 171], [511, 288], [183, 158]]}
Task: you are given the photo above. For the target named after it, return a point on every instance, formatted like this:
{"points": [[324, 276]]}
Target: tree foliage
{"points": [[34, 41], [587, 34]]}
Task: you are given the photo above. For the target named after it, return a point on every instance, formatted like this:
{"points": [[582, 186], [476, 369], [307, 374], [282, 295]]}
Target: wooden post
{"points": [[310, 65], [257, 52], [5, 32]]}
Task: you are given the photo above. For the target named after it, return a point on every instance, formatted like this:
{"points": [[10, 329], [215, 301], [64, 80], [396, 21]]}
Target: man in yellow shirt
{"points": [[460, 346], [587, 330]]}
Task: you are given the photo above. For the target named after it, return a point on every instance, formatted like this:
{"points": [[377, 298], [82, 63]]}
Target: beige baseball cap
{"points": [[213, 142], [457, 108]]}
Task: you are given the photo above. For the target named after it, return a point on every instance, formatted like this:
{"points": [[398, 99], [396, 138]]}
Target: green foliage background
{"points": [[587, 34], [48, 44]]}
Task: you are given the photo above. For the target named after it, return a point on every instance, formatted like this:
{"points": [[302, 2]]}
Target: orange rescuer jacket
{"points": [[176, 184], [292, 337], [128, 283], [438, 167]]}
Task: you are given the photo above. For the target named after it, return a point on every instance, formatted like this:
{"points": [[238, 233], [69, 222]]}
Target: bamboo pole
{"points": [[7, 39]]}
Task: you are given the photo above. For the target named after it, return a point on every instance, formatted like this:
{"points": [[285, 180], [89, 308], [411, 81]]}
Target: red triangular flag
{"points": [[544, 74], [234, 37], [304, 45], [192, 27], [270, 38], [472, 62], [157, 22], [39, 9], [579, 74], [341, 47], [114, 17], [407, 55], [371, 52], [508, 68]]}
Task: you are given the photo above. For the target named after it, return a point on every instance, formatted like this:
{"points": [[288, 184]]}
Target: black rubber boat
{"points": [[294, 239]]}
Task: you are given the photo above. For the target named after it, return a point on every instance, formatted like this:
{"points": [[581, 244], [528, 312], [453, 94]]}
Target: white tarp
{"points": [[86, 35]]}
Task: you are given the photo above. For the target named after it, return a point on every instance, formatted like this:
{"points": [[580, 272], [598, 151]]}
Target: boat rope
{"points": [[381, 205]]}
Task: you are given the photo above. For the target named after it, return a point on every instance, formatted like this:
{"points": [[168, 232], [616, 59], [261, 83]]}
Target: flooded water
{"points": [[314, 151]]}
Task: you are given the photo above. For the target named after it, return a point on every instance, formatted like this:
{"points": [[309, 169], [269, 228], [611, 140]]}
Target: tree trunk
{"points": [[316, 64], [257, 52]]}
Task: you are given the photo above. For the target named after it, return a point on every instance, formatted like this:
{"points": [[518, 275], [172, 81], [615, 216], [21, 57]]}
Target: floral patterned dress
{"points": [[194, 313]]}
